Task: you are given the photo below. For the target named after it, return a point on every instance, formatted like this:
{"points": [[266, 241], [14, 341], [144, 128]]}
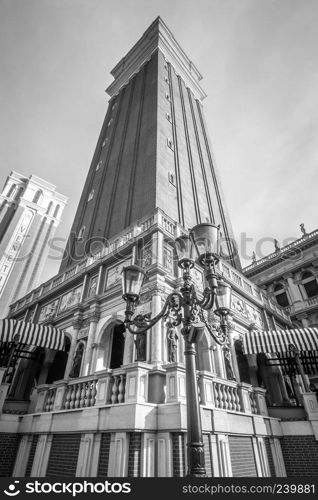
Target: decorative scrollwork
{"points": [[143, 322]]}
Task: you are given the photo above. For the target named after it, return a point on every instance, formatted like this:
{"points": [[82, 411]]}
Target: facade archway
{"points": [[242, 362], [57, 369], [110, 351]]}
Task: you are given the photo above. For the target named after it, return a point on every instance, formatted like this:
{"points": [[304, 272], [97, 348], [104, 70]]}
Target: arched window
{"points": [[281, 295], [49, 208], [310, 284], [11, 191], [80, 235], [38, 195], [110, 351], [56, 211]]}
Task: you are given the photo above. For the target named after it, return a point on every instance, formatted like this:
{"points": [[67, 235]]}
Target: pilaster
{"points": [[118, 455], [22, 456], [42, 454]]}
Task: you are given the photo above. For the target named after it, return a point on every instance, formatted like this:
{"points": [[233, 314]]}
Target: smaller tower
{"points": [[30, 211]]}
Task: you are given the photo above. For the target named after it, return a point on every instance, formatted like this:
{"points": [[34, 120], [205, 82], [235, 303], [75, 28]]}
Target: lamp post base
{"points": [[196, 460]]}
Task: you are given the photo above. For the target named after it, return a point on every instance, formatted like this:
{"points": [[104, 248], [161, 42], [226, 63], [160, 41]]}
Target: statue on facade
{"points": [[253, 258], [140, 343], [228, 363], [303, 230], [76, 367], [172, 338], [277, 246]]}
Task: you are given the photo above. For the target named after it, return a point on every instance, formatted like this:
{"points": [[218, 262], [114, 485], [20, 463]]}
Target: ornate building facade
{"points": [[113, 404], [290, 277], [30, 211]]}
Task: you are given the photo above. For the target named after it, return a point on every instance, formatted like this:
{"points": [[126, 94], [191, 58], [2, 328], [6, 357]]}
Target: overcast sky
{"points": [[259, 61]]}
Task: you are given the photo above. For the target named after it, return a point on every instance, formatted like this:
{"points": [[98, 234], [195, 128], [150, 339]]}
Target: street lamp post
{"points": [[186, 309]]}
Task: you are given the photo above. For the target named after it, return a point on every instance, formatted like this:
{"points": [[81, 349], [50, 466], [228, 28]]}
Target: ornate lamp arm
{"points": [[218, 332], [143, 322]]}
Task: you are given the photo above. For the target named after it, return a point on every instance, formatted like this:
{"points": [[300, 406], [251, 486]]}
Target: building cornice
{"points": [[285, 253]]}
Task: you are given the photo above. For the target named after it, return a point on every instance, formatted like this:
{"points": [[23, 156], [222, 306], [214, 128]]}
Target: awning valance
{"points": [[31, 334], [272, 341]]}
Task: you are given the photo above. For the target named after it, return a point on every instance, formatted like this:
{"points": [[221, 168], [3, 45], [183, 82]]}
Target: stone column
{"points": [[42, 454], [220, 362], [77, 323], [157, 241], [231, 336], [294, 290], [156, 331], [22, 456], [129, 348], [94, 318]]}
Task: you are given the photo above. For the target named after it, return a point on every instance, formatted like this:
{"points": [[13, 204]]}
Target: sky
{"points": [[259, 61]]}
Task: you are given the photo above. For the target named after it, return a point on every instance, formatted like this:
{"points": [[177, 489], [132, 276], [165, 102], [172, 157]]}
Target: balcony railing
{"points": [[109, 388]]}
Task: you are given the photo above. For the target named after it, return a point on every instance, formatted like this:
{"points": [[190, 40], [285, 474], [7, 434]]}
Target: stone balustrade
{"points": [[226, 395], [103, 388]]}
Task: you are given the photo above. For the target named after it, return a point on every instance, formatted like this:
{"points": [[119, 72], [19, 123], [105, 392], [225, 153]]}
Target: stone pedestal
{"points": [[310, 405], [137, 382], [42, 392], [176, 382], [259, 394], [3, 394], [157, 386], [206, 389], [244, 390], [61, 386], [103, 388]]}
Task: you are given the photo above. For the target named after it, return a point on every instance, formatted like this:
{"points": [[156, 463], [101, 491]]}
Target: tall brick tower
{"points": [[153, 150]]}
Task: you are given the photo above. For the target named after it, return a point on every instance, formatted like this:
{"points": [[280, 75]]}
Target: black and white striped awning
{"points": [[278, 341], [31, 334]]}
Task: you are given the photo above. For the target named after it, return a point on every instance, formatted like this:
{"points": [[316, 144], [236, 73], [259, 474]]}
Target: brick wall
{"points": [[242, 456], [178, 454], [104, 454], [134, 454], [64, 455], [270, 457], [8, 452], [300, 455], [35, 439], [207, 454]]}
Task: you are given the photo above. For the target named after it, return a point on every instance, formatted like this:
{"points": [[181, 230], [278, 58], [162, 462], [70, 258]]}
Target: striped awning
{"points": [[272, 341], [31, 334]]}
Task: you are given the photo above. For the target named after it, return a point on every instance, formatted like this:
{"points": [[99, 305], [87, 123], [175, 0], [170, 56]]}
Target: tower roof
{"points": [[157, 36]]}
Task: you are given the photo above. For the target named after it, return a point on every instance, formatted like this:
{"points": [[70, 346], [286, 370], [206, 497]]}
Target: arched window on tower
{"points": [[49, 208], [12, 191], [38, 195], [56, 211], [81, 233], [281, 295], [310, 284]]}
